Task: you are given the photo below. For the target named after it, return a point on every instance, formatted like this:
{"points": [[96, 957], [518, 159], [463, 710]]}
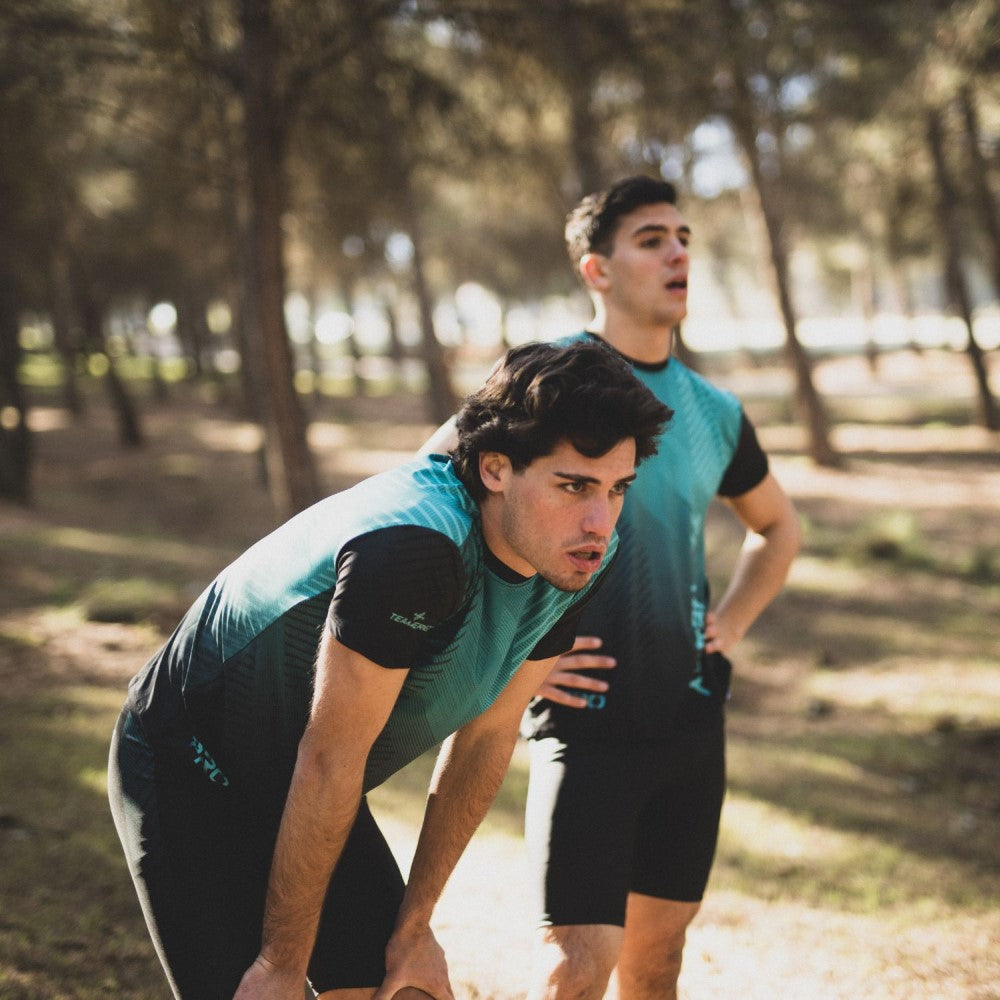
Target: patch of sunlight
{"points": [[807, 761], [907, 685], [17, 633], [183, 466], [750, 825], [875, 483], [221, 435], [104, 543], [54, 624], [823, 576], [90, 711], [362, 462], [95, 779], [48, 418], [323, 435]]}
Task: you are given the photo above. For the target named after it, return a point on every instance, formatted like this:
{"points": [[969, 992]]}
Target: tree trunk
{"points": [[396, 350], [986, 206], [578, 81], [15, 440], [61, 296], [129, 424], [442, 400], [347, 294], [894, 213], [292, 472], [743, 118], [958, 288], [810, 406], [808, 403]]}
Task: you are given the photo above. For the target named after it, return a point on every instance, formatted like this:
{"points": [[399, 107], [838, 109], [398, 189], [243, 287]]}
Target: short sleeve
{"points": [[395, 586], [748, 466]]}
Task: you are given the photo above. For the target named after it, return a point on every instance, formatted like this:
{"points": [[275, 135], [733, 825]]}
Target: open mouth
{"points": [[588, 559], [678, 285]]}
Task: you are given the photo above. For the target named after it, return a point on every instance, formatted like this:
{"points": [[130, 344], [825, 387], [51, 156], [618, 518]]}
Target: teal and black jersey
{"points": [[650, 611], [232, 686]]}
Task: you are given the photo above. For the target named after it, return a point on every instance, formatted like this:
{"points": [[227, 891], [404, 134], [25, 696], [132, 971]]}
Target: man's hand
{"points": [[719, 636], [562, 675], [265, 981], [413, 957]]}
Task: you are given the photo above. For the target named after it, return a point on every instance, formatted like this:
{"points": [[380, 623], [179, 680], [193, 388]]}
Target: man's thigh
{"points": [[604, 821], [677, 831], [201, 859], [581, 809]]}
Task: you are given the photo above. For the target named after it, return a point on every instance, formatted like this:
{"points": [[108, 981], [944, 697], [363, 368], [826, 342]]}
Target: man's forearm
{"points": [[468, 773], [320, 810], [758, 576]]}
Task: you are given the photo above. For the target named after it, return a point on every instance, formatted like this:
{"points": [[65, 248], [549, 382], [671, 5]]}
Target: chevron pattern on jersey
{"points": [[238, 672], [650, 609]]}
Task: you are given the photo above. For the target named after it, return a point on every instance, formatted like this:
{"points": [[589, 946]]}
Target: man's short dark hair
{"points": [[539, 395], [591, 226]]}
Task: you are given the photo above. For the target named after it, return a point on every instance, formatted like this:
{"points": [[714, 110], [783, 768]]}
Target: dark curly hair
{"points": [[591, 226], [541, 394]]}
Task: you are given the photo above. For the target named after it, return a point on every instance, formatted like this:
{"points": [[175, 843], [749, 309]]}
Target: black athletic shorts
{"points": [[606, 820], [200, 860]]}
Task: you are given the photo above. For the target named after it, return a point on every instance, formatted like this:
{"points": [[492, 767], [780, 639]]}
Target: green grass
{"points": [[71, 925]]}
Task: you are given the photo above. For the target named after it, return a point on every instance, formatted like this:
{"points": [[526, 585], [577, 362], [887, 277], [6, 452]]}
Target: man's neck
{"points": [[651, 346]]}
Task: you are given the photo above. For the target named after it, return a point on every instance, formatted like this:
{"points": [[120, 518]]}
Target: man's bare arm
{"points": [[443, 441], [469, 770], [352, 700], [772, 541]]}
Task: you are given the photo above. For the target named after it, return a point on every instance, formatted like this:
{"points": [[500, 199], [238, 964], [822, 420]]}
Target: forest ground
{"points": [[859, 852]]}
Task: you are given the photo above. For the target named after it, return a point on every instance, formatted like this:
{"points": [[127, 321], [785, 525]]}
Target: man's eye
{"points": [[620, 489], [574, 487]]}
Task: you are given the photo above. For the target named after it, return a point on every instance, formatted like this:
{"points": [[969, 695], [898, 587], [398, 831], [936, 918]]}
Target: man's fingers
{"points": [[561, 697], [566, 678], [587, 642], [585, 661]]}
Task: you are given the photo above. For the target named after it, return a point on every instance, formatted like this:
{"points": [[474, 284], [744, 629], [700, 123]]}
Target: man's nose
{"points": [[599, 517], [676, 250]]}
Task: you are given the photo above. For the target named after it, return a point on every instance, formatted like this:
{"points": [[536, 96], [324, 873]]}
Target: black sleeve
{"points": [[394, 586], [560, 638], [748, 466]]}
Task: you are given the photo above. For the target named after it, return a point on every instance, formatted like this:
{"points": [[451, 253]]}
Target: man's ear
{"points": [[593, 270], [494, 470]]}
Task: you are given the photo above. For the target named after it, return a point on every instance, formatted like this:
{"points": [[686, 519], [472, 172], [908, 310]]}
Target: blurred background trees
{"points": [[288, 198]]}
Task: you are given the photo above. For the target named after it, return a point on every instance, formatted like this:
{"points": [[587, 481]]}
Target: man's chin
{"points": [[569, 584]]}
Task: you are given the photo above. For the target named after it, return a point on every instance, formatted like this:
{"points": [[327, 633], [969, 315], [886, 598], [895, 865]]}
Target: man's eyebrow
{"points": [[579, 478], [658, 227], [576, 477]]}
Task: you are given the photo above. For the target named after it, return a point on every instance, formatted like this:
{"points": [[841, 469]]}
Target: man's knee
{"points": [[575, 963], [655, 933]]}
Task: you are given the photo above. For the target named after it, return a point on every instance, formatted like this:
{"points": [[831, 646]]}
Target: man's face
{"points": [[555, 517], [645, 277]]}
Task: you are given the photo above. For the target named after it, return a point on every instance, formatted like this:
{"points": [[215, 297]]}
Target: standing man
{"points": [[628, 773], [356, 636]]}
